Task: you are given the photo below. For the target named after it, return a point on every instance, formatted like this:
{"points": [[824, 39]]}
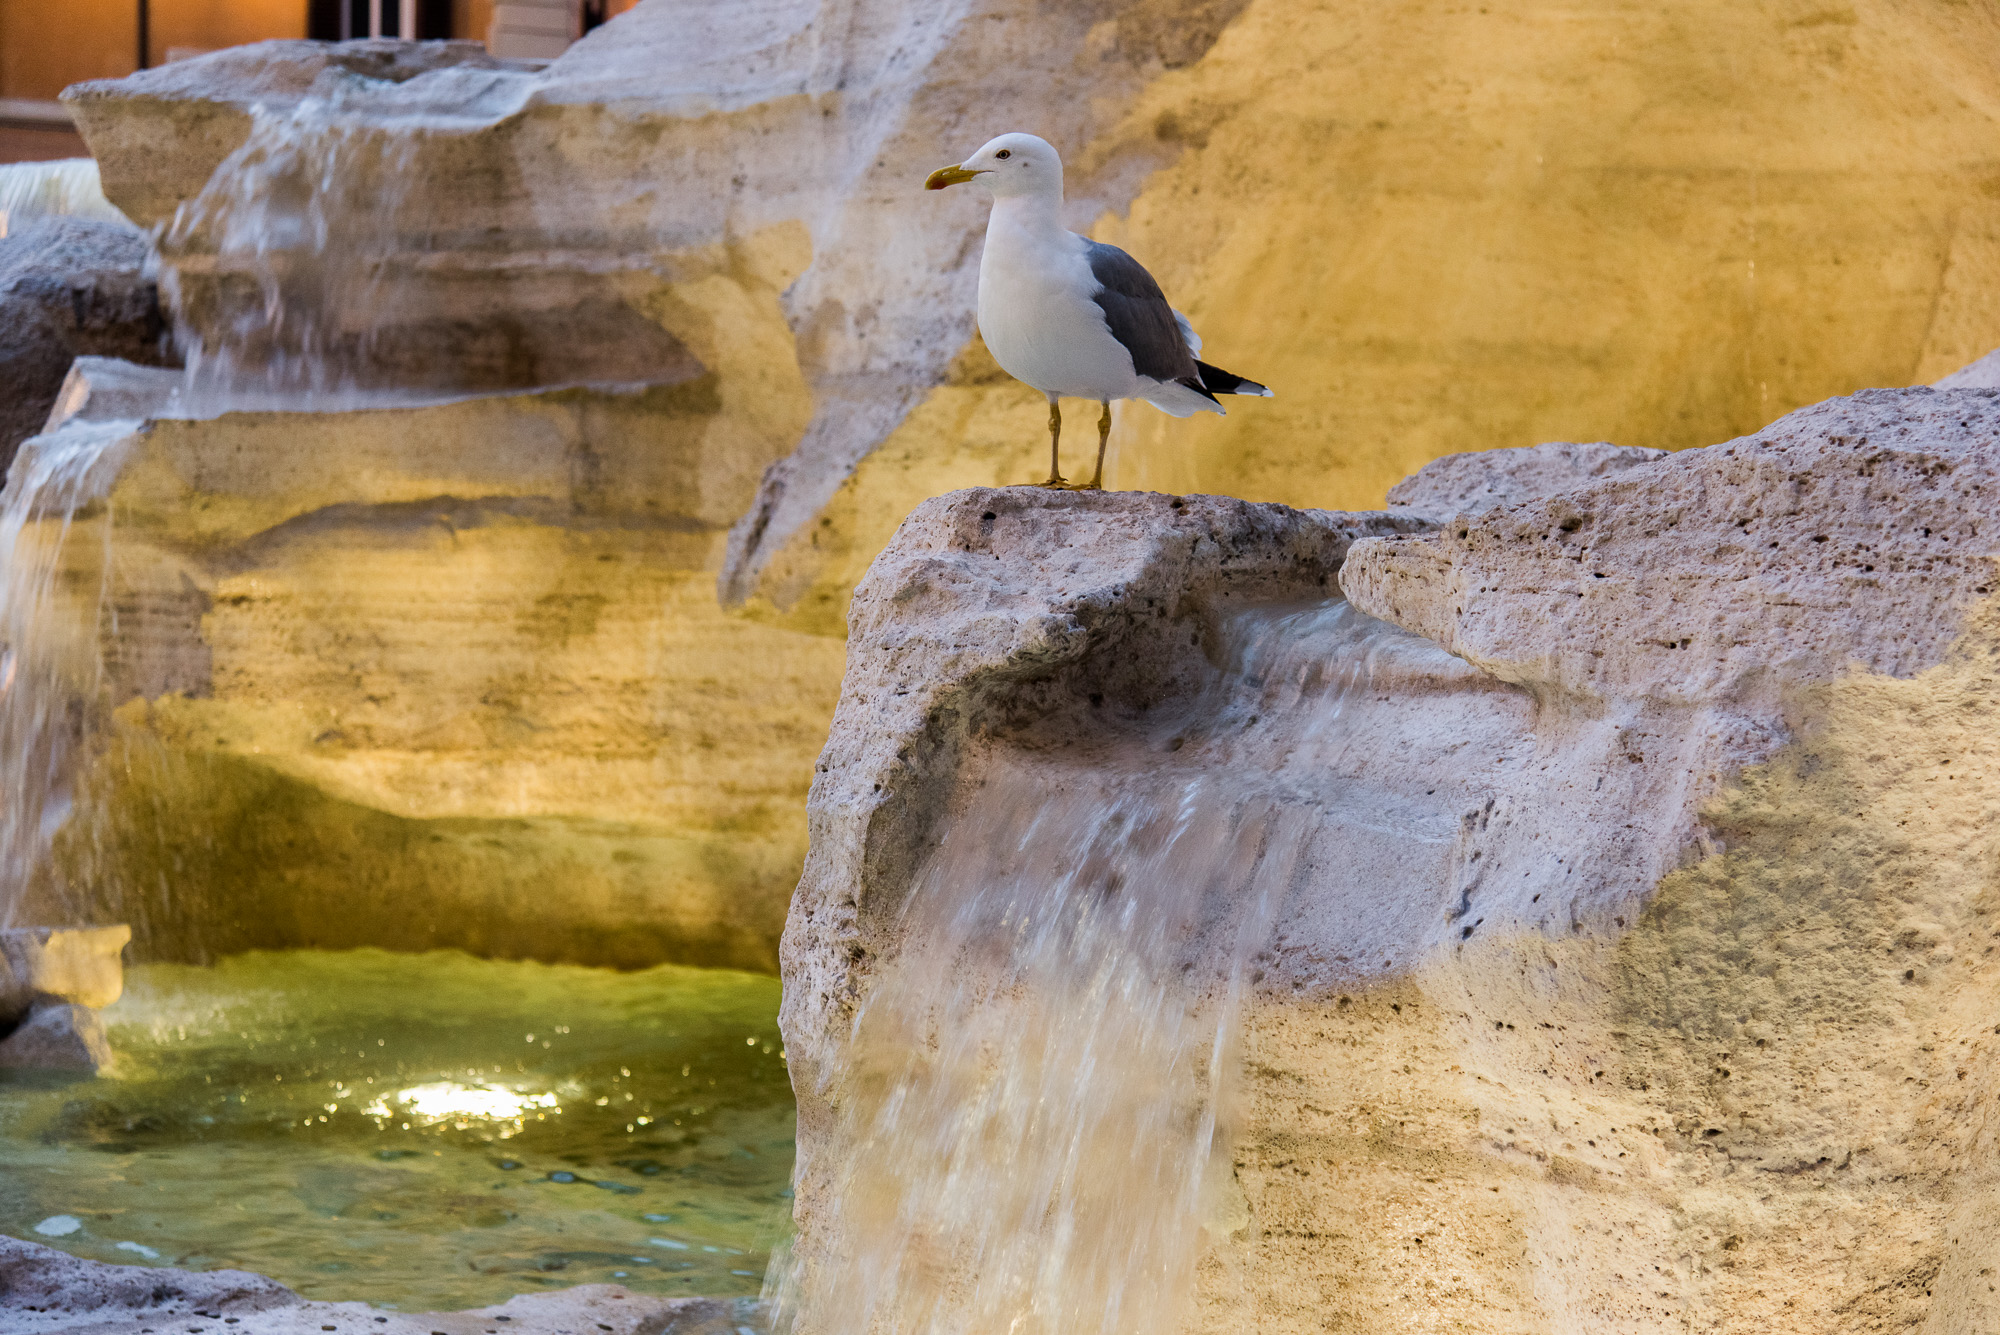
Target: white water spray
{"points": [[51, 669], [1034, 1115]]}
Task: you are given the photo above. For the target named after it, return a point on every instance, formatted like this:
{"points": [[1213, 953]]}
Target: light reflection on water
{"points": [[422, 1131]]}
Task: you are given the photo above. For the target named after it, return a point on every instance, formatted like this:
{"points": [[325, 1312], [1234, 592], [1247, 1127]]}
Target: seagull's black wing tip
{"points": [[1215, 380]]}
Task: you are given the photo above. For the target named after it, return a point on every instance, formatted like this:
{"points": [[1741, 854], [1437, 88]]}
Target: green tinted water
{"points": [[420, 1131]]}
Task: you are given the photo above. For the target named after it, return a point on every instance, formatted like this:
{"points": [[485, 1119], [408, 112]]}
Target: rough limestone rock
{"points": [[1469, 483], [279, 754], [1982, 374], [79, 964], [68, 287], [1601, 167], [158, 140], [56, 1036], [1642, 972], [53, 981], [47, 1292]]}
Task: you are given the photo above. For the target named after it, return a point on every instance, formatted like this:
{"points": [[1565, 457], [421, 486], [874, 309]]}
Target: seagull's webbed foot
{"points": [[1056, 482], [1096, 482]]}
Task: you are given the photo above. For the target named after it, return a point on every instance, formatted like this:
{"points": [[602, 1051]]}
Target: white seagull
{"points": [[1073, 316]]}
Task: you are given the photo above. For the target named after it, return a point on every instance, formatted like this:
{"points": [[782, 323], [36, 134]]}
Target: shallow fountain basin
{"points": [[418, 1131]]}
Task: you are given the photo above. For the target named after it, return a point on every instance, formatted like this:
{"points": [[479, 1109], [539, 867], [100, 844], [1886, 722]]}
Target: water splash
{"points": [[66, 186], [1032, 1120], [50, 668], [281, 272]]}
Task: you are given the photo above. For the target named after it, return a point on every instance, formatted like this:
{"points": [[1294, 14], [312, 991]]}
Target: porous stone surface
{"points": [[44, 1291], [159, 136], [1982, 374], [56, 1036], [1641, 971], [69, 287], [79, 964], [53, 981], [1468, 483]]}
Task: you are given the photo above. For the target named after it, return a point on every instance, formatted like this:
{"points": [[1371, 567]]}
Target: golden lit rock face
{"points": [[1435, 228], [442, 676], [1430, 228]]}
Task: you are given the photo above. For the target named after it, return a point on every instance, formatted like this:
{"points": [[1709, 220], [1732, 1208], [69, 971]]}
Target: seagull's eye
{"points": [[1004, 153]]}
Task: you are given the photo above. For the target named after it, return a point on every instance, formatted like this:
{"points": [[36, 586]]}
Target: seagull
{"points": [[1072, 316]]}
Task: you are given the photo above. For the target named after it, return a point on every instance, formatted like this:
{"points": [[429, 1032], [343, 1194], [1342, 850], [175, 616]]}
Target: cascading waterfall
{"points": [[1033, 1123], [50, 667], [293, 240]]}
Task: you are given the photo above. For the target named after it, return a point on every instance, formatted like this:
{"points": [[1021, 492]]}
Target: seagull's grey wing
{"points": [[1139, 316]]}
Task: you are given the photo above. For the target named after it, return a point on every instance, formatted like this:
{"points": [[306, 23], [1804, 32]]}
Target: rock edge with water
{"points": [[48, 1292], [1668, 1004]]}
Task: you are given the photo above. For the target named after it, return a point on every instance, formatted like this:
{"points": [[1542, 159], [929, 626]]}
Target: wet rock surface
{"points": [[56, 1036], [69, 287], [52, 984], [45, 1290], [1641, 975]]}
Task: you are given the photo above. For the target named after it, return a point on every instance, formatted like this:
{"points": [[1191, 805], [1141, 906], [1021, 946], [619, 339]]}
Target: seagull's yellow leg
{"points": [[1096, 482], [1055, 444]]}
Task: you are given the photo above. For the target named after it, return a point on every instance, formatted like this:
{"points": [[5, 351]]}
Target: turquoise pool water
{"points": [[418, 1131]]}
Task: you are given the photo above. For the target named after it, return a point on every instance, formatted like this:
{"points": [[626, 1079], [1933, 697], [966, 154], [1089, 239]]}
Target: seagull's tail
{"points": [[1215, 380]]}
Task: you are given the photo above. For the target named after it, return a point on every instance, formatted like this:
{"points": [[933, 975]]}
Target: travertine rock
{"points": [[68, 286], [1491, 479], [1641, 972], [46, 1292], [79, 964], [384, 676], [1981, 374], [1570, 250], [158, 137], [56, 1036]]}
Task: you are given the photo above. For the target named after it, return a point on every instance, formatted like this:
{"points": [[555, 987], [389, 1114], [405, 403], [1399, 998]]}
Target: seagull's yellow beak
{"points": [[945, 176]]}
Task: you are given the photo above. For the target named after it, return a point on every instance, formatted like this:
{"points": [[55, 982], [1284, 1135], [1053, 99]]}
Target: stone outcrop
{"points": [[47, 1292], [1204, 136], [720, 203], [70, 964], [386, 676], [1640, 971], [1469, 483], [53, 981], [69, 287]]}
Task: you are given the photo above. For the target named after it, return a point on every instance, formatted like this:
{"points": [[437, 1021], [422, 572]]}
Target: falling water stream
{"points": [[50, 667], [1033, 1118]]}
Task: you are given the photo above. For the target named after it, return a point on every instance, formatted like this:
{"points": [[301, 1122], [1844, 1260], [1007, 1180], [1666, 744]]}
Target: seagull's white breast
{"points": [[1036, 312]]}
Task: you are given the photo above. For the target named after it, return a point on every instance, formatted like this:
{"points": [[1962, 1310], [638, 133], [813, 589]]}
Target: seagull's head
{"points": [[1013, 164]]}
